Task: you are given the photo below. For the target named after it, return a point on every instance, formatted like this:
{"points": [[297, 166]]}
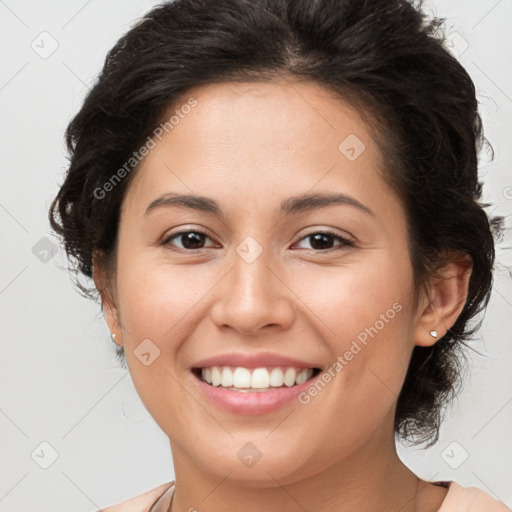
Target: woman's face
{"points": [[259, 276]]}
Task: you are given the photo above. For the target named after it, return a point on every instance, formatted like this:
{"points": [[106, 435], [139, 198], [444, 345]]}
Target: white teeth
{"points": [[302, 377], [290, 376], [227, 378], [240, 378], [216, 376], [260, 378], [276, 377]]}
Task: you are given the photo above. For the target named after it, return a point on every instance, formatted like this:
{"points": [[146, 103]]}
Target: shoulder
{"points": [[470, 499], [140, 503]]}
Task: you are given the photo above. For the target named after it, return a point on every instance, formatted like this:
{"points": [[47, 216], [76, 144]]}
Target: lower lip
{"points": [[258, 402]]}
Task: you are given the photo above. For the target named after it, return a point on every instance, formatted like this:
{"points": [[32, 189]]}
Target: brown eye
{"points": [[323, 240], [189, 240]]}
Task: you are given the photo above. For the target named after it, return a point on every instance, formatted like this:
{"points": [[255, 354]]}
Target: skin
{"points": [[250, 146]]}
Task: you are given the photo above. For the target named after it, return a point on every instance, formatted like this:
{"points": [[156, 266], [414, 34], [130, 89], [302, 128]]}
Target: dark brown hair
{"points": [[385, 56]]}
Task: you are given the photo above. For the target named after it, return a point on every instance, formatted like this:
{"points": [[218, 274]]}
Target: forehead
{"points": [[279, 112], [264, 138]]}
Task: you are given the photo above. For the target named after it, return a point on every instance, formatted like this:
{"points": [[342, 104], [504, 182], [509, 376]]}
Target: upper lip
{"points": [[257, 360]]}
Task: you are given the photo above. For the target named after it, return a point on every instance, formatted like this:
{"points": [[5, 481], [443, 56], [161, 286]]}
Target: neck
{"points": [[370, 478]]}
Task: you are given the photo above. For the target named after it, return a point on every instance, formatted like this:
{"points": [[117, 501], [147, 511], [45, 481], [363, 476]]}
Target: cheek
{"points": [[157, 300], [160, 306], [368, 315], [365, 312]]}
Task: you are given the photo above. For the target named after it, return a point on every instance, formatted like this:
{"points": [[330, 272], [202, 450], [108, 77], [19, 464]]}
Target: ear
{"points": [[447, 296], [108, 303]]}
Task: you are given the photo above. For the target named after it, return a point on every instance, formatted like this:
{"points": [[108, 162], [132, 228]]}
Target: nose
{"points": [[253, 296]]}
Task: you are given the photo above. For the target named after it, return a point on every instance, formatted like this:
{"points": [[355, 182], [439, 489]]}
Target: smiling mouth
{"points": [[254, 379]]}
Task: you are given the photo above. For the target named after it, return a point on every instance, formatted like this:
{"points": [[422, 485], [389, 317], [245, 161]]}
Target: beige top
{"points": [[458, 499]]}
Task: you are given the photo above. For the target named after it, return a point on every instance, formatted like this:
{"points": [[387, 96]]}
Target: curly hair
{"points": [[387, 57]]}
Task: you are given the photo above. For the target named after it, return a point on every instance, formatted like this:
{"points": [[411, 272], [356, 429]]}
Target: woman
{"points": [[278, 203]]}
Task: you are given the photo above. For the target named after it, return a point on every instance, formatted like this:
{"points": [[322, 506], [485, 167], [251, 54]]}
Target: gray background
{"points": [[60, 382]]}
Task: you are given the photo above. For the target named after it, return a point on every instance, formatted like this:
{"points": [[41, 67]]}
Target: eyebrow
{"points": [[292, 205]]}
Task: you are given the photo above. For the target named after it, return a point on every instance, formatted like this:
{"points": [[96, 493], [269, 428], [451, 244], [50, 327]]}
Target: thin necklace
{"points": [[415, 496], [172, 499]]}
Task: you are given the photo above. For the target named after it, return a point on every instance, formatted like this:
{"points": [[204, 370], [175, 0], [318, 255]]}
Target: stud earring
{"points": [[113, 336], [433, 334]]}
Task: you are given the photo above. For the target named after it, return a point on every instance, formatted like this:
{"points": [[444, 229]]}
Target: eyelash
{"points": [[345, 242]]}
